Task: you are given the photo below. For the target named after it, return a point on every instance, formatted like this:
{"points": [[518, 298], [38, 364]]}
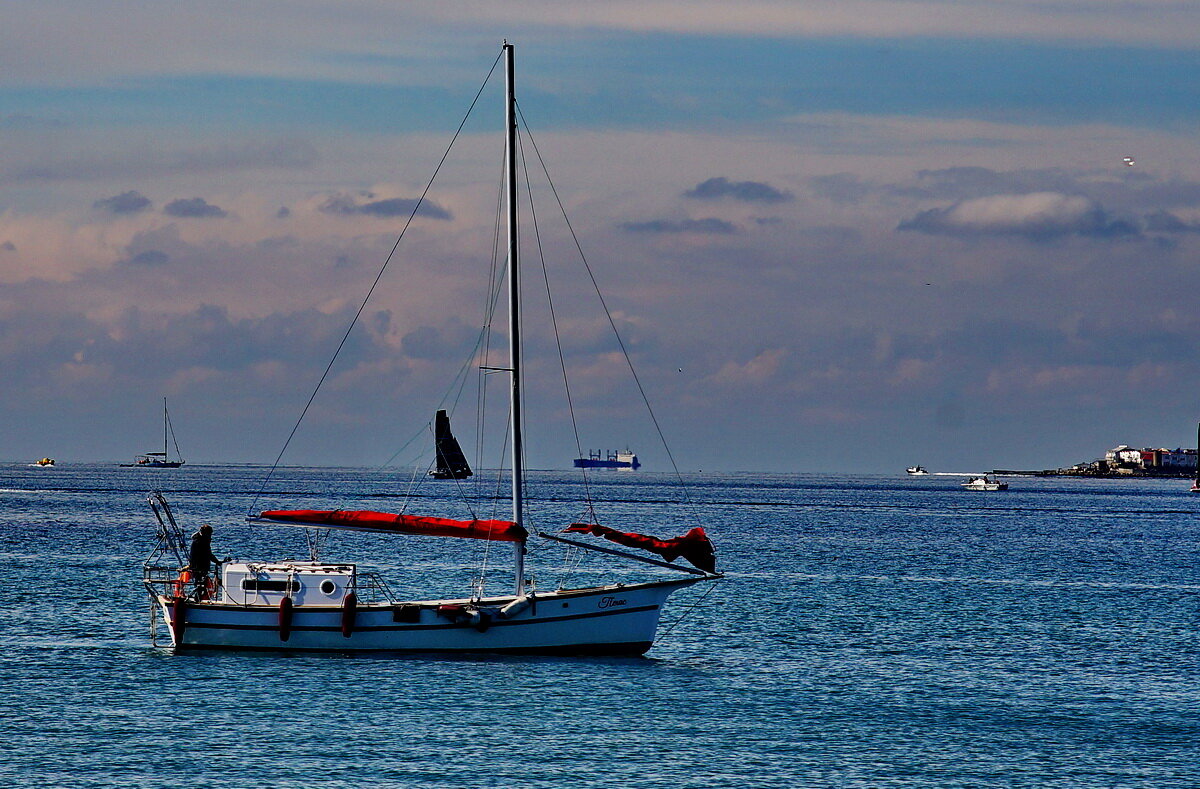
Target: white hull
{"points": [[615, 619]]}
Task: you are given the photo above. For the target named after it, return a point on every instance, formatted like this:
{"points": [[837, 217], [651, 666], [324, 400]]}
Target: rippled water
{"points": [[872, 632]]}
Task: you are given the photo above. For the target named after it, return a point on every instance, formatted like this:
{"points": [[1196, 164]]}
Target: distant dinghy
{"points": [[451, 463]]}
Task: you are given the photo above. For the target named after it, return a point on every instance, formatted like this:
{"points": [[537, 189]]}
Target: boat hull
{"points": [[586, 463], [607, 620]]}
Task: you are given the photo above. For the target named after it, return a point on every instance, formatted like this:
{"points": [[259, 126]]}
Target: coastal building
{"points": [[1174, 459], [1126, 458], [1125, 461]]}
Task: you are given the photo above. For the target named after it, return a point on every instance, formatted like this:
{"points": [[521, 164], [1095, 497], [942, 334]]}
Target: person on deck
{"points": [[201, 559]]}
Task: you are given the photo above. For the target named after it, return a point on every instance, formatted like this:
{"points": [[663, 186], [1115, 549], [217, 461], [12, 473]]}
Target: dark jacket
{"points": [[200, 555]]}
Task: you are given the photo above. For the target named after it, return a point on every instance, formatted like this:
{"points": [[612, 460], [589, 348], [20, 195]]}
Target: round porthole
{"points": [[328, 587]]}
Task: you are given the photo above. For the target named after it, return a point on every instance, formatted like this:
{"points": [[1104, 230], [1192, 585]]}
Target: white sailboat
{"points": [[336, 607], [160, 459]]}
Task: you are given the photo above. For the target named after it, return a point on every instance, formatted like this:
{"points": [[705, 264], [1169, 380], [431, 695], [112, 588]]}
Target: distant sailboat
{"points": [[451, 463], [160, 459]]}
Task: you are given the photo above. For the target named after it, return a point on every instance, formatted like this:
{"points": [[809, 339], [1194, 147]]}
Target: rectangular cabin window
{"points": [[268, 585]]}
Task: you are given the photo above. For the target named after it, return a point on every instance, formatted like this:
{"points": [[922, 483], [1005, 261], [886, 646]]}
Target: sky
{"points": [[835, 236]]}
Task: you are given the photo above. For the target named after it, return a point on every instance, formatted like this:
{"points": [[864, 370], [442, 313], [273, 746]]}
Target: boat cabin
{"points": [[307, 583]]}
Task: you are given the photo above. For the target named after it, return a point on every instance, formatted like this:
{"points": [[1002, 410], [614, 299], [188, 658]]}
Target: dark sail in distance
{"points": [[451, 463]]}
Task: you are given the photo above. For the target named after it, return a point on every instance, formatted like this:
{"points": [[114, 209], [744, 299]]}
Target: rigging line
{"points": [[420, 432], [495, 286], [562, 362], [412, 483], [489, 314], [687, 611], [174, 441], [379, 276], [596, 285], [459, 381], [500, 468], [487, 546], [458, 486], [445, 395]]}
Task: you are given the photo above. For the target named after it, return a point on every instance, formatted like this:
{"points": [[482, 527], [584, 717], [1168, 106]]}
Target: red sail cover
{"points": [[391, 523], [693, 546]]}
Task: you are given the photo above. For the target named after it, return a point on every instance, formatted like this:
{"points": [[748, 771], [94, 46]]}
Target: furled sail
{"points": [[693, 546], [451, 463], [393, 523]]}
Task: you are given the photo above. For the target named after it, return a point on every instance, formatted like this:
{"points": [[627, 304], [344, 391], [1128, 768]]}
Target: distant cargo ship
{"points": [[608, 459]]}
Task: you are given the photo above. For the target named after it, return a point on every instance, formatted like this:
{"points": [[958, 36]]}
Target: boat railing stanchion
{"points": [[154, 623]]}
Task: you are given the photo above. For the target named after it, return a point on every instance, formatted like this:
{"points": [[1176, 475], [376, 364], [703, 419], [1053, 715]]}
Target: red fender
{"points": [[285, 618], [349, 609], [178, 619]]}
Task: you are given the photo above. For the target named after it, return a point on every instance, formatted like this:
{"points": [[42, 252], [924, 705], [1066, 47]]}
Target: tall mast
{"points": [[164, 429], [514, 313]]}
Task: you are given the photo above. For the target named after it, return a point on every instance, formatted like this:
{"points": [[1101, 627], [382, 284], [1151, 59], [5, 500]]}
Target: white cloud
{"points": [[367, 39], [1039, 215]]}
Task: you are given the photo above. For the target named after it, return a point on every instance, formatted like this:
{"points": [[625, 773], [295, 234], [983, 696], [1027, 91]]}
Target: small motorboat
{"points": [[984, 483], [45, 462], [917, 471]]}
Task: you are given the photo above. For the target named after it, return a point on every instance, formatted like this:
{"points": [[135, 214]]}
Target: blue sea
{"points": [[871, 632]]}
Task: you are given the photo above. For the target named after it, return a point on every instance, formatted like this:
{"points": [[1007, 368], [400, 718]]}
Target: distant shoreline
{"points": [[1092, 474]]}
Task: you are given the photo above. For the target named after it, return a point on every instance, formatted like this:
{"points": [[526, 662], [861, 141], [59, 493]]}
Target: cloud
{"points": [[961, 183], [251, 43], [151, 257], [1037, 216], [101, 165], [759, 370], [24, 121], [194, 207], [842, 188], [430, 342], [746, 191], [346, 205], [1125, 189], [130, 202], [1166, 222], [156, 247], [708, 226]]}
